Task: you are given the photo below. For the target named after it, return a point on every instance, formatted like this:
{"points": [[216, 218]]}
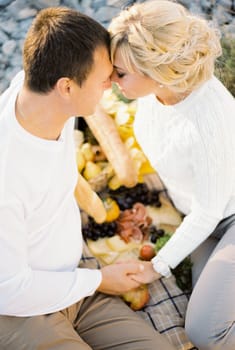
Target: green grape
{"points": [[161, 241]]}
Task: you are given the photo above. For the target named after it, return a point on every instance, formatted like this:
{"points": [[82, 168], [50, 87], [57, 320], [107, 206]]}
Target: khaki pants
{"points": [[98, 322]]}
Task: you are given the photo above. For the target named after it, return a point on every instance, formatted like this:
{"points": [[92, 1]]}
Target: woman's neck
{"points": [[169, 98]]}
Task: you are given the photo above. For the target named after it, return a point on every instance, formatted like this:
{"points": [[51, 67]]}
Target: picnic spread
{"points": [[127, 213]]}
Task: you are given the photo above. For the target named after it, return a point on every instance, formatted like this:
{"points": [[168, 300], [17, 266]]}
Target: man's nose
{"points": [[108, 84]]}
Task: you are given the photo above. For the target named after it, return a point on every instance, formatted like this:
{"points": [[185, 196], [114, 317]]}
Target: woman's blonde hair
{"points": [[163, 41]]}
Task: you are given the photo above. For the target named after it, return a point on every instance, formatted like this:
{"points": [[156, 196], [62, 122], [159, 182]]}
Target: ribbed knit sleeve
{"points": [[192, 147], [212, 159]]}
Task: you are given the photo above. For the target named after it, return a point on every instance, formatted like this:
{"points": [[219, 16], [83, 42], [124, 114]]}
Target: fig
{"points": [[147, 252]]}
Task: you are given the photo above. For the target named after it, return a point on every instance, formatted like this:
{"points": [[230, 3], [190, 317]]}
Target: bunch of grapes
{"points": [[155, 233], [94, 231], [127, 197]]}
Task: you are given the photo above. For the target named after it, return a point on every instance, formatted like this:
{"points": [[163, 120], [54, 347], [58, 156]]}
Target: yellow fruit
{"points": [[80, 160], [146, 168], [114, 183], [125, 131], [91, 170], [99, 155], [112, 209], [131, 142], [86, 149], [137, 298], [140, 179], [78, 138]]}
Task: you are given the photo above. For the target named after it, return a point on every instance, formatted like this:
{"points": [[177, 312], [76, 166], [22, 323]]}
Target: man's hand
{"points": [[118, 278], [147, 274]]}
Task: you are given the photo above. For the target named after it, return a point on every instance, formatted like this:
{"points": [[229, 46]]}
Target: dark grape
{"points": [[160, 232], [110, 233], [127, 197], [94, 231], [154, 237], [155, 233]]}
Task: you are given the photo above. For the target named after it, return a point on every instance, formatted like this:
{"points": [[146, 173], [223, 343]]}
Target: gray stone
{"points": [[227, 4], [116, 3], [3, 84], [222, 16], [40, 4], [3, 37], [11, 72], [26, 13], [9, 26], [106, 13], [9, 47], [5, 2]]}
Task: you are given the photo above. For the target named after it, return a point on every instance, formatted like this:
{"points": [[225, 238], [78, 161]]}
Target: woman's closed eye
{"points": [[120, 74]]}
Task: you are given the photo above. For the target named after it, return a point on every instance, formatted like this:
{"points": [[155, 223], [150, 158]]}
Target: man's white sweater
{"points": [[40, 227]]}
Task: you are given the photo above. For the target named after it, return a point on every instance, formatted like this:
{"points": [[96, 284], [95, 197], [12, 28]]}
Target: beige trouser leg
{"points": [[210, 319], [105, 323]]}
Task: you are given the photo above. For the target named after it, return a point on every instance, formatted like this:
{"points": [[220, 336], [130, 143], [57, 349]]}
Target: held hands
{"points": [[117, 278], [124, 276], [147, 273]]}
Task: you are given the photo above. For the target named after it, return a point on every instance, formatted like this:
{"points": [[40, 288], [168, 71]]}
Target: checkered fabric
{"points": [[165, 310]]}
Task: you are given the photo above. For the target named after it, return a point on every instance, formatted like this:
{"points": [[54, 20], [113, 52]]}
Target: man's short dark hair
{"points": [[61, 43]]}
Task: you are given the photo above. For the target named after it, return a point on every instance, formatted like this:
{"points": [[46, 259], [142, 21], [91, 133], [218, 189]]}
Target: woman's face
{"points": [[132, 85]]}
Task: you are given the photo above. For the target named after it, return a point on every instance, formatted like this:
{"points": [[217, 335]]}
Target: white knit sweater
{"points": [[192, 147], [40, 227]]}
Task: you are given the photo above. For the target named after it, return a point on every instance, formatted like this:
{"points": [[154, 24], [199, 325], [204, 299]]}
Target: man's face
{"points": [[86, 97]]}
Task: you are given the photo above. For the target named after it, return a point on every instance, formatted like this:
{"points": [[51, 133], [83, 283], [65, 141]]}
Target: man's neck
{"points": [[39, 114]]}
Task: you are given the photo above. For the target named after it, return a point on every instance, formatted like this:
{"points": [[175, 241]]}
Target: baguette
{"points": [[105, 131], [89, 201]]}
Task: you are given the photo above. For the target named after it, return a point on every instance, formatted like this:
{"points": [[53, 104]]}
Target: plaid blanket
{"points": [[165, 310]]}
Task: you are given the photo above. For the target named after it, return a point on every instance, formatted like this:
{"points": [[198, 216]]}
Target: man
{"points": [[46, 301]]}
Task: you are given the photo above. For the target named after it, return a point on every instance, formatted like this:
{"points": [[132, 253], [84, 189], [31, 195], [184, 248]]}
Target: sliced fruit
{"points": [[81, 161], [146, 168], [91, 170], [78, 138], [114, 183], [86, 149], [112, 209], [117, 244], [98, 247], [99, 155]]}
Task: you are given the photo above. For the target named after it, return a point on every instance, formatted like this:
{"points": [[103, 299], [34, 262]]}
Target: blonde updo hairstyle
{"points": [[162, 40]]}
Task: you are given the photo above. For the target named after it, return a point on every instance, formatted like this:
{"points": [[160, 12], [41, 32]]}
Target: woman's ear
{"points": [[63, 87]]}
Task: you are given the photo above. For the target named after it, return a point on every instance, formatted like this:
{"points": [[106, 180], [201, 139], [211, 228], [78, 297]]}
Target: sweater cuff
{"points": [[161, 267]]}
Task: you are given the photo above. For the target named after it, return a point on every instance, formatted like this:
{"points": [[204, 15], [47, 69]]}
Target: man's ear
{"points": [[63, 87]]}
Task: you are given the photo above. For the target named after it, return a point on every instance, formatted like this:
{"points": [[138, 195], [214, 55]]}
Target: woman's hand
{"points": [[118, 278], [147, 273]]}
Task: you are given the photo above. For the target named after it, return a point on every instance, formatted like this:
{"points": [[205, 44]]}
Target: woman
{"points": [[185, 124]]}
